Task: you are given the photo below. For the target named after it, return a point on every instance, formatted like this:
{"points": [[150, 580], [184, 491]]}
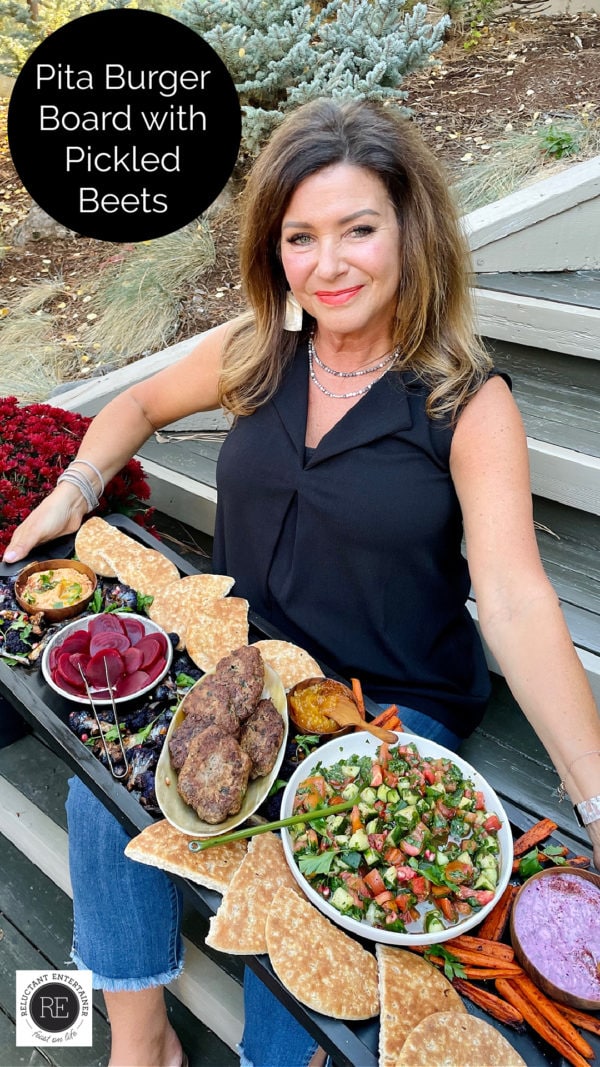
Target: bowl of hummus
{"points": [[555, 932], [57, 588]]}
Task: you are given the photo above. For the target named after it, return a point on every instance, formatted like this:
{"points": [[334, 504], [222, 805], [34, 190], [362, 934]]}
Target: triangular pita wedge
{"points": [[161, 845], [318, 963], [216, 630], [239, 925], [410, 989], [292, 663], [179, 601], [449, 1039]]}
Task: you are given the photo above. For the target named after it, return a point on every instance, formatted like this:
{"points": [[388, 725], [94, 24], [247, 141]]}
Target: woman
{"points": [[371, 432]]}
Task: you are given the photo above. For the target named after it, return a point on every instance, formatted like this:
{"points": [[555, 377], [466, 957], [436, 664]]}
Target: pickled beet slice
{"points": [[53, 658], [132, 659], [62, 683], [109, 639], [133, 628], [156, 669], [96, 671], [79, 641], [69, 670], [150, 647], [105, 623], [131, 683]]}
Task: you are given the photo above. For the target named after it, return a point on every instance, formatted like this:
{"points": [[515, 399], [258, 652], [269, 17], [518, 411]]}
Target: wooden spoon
{"points": [[346, 713]]}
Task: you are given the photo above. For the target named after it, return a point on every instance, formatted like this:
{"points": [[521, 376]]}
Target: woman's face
{"points": [[340, 250]]}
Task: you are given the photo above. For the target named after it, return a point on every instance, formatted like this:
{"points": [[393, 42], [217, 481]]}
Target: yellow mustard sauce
{"points": [[56, 588]]}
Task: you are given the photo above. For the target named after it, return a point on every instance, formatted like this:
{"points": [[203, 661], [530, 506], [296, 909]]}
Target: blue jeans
{"points": [[127, 919], [126, 915]]}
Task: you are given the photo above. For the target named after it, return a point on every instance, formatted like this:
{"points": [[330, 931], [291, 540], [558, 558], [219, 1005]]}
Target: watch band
{"points": [[587, 811]]}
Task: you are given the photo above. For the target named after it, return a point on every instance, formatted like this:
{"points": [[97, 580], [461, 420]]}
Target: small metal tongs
{"points": [[109, 761]]}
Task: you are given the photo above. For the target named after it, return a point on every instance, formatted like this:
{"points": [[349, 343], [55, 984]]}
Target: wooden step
{"points": [[206, 1001]]}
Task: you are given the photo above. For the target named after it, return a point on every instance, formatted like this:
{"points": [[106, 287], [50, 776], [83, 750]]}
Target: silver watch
{"points": [[587, 811]]}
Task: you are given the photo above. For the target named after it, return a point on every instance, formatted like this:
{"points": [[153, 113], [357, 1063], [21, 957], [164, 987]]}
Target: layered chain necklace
{"points": [[383, 365]]}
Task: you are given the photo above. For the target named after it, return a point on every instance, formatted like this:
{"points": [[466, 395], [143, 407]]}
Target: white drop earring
{"points": [[293, 314]]}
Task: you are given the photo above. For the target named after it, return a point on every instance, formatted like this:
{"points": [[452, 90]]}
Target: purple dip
{"points": [[557, 921]]}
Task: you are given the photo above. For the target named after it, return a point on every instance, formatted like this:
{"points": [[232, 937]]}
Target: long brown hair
{"points": [[433, 324]]}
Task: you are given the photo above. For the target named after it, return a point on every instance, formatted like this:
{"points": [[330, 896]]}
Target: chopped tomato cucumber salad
{"points": [[417, 853]]}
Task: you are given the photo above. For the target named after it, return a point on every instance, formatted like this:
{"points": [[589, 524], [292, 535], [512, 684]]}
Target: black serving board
{"points": [[350, 1045]]}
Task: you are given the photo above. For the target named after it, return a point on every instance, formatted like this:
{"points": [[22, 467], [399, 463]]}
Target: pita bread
{"points": [[113, 554], [292, 663], [144, 569], [318, 963], [161, 845], [216, 630], [411, 989], [239, 925], [175, 603], [449, 1039], [91, 540]]}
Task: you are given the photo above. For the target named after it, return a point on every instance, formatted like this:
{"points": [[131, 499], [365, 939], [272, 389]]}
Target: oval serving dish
{"points": [[76, 641], [555, 932], [67, 610], [173, 806], [362, 744]]}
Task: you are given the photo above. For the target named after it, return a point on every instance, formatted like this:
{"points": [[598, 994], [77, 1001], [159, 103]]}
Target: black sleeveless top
{"points": [[353, 549]]}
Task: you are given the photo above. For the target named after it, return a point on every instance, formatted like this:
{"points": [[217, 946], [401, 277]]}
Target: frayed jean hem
{"points": [[127, 985]]}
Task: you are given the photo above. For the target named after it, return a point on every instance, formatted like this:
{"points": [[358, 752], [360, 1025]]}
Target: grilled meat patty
{"points": [[204, 706], [261, 737], [214, 777], [243, 674]]}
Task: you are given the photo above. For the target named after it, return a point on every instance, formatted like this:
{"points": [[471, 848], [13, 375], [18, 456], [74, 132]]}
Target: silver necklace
{"points": [[312, 356]]}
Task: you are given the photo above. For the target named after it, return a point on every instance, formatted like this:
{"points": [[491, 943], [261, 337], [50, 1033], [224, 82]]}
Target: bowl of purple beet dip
{"points": [[555, 932]]}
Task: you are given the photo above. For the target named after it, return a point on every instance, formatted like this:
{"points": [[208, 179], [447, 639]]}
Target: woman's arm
{"points": [[519, 612], [119, 430]]}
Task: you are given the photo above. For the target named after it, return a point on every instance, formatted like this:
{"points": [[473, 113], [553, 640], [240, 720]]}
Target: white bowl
{"points": [[174, 807], [83, 624], [363, 744]]}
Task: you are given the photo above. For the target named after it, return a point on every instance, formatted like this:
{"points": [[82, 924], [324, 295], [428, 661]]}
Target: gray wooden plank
{"points": [[10, 1055], [558, 395], [569, 544], [40, 774], [195, 459], [580, 287]]}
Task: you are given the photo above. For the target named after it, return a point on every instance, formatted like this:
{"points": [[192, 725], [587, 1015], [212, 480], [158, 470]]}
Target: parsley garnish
{"points": [[317, 864], [452, 967]]}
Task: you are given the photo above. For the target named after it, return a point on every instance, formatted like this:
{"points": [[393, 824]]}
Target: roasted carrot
{"points": [[579, 861], [474, 958], [495, 1006], [511, 992], [393, 723], [387, 713], [580, 1018], [481, 945], [532, 837], [359, 699], [553, 1014], [486, 974], [481, 973], [495, 923]]}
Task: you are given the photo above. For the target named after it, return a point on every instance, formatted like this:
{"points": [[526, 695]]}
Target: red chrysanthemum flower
{"points": [[37, 442]]}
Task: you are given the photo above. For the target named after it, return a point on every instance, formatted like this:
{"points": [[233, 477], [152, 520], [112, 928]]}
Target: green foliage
{"points": [[558, 143], [281, 54], [25, 23]]}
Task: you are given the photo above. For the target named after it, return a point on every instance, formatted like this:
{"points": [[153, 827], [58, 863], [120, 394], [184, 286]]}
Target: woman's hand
{"points": [[59, 513]]}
